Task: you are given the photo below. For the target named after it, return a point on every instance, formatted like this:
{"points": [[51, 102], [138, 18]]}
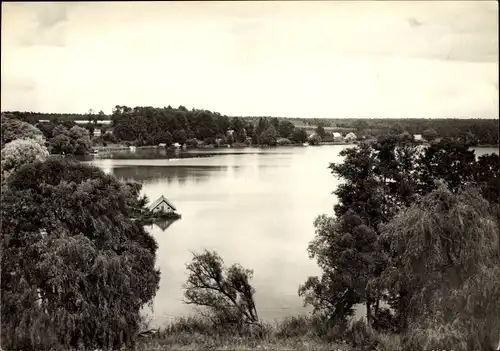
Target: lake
{"points": [[253, 206]]}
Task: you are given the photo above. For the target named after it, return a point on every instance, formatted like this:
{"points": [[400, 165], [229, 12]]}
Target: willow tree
{"points": [[76, 267], [224, 295], [446, 254]]}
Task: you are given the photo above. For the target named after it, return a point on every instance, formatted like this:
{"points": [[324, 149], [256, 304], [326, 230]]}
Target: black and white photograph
{"points": [[250, 175]]}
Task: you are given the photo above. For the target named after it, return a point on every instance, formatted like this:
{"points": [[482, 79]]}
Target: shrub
{"points": [[361, 336], [294, 327], [283, 141], [224, 294], [192, 143]]}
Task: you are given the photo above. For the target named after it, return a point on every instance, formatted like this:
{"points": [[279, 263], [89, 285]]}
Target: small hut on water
{"points": [[162, 205]]}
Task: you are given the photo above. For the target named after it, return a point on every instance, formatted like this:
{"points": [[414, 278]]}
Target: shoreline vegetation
{"points": [[291, 333], [120, 147], [413, 237], [198, 129]]}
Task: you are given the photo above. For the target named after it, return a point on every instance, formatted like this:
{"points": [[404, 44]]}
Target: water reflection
{"points": [[168, 174], [164, 224]]}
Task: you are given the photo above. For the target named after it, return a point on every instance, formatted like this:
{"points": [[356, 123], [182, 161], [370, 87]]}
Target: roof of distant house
{"points": [[159, 201]]}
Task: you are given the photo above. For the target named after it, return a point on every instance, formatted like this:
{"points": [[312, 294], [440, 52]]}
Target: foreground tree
{"points": [[346, 253], [487, 176], [451, 162], [445, 251], [13, 129], [377, 183], [76, 267], [20, 152], [225, 293]]}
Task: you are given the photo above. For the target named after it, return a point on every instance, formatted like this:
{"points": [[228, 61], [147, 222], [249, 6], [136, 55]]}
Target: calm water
{"points": [[254, 206]]}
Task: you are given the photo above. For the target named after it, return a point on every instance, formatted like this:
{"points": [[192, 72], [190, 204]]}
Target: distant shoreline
{"points": [[118, 147]]}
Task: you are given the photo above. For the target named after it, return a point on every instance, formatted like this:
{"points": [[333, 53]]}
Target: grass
{"points": [[293, 333], [192, 333]]}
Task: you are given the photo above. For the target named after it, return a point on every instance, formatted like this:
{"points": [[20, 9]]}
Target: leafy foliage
{"points": [[380, 180], [446, 253], [286, 129], [13, 129], [268, 137], [299, 135], [430, 134], [20, 152], [473, 130], [314, 139], [225, 292], [345, 252], [76, 266], [320, 131], [61, 139]]}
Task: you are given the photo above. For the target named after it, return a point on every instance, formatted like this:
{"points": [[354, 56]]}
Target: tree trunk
{"points": [[368, 310]]}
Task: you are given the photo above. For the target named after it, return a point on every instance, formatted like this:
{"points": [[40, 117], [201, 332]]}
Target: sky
{"points": [[330, 59]]}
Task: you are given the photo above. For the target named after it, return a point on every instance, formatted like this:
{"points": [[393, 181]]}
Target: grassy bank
{"points": [[293, 333], [298, 333]]}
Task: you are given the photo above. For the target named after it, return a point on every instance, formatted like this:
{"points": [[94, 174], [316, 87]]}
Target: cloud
{"points": [[38, 23], [414, 22], [324, 58], [49, 15]]}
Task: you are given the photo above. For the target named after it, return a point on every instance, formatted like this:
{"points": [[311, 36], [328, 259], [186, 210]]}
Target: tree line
{"points": [[151, 126], [59, 138]]}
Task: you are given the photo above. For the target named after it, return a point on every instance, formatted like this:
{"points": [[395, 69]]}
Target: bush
{"points": [[388, 342], [314, 140], [111, 138], [190, 325], [283, 141], [438, 337], [209, 141], [361, 336], [384, 320], [192, 143], [294, 327]]}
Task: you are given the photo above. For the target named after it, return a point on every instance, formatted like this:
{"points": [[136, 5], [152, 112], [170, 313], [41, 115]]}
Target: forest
{"points": [[151, 126]]}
